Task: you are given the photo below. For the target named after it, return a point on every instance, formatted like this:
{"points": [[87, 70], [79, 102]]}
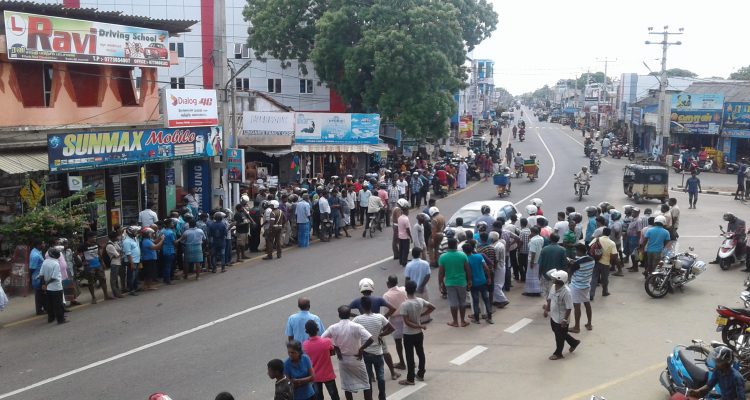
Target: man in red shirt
{"points": [[320, 350]]}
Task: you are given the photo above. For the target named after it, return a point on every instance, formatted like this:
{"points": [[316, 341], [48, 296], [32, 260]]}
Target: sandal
{"points": [[555, 357], [406, 383], [395, 375]]}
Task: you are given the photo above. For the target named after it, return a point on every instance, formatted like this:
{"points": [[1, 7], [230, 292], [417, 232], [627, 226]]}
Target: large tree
{"points": [[677, 73], [742, 74], [401, 58]]}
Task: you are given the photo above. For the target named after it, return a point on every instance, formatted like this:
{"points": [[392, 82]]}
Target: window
{"points": [[305, 85], [85, 82], [274, 86], [47, 84], [177, 83], [241, 51], [178, 47], [242, 83]]}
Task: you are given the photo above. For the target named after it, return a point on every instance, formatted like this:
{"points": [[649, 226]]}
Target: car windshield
{"points": [[469, 216], [506, 212]]}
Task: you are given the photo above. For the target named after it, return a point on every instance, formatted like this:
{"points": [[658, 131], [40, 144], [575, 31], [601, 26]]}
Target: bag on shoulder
{"points": [[106, 258], [596, 251]]}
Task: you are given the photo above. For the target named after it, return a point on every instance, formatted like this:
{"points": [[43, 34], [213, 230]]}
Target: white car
{"points": [[472, 211]]}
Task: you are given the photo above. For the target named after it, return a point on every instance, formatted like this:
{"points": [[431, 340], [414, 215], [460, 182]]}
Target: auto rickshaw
{"points": [[641, 182]]}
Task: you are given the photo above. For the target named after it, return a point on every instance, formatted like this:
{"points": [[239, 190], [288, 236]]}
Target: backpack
{"points": [[596, 251], [106, 259]]}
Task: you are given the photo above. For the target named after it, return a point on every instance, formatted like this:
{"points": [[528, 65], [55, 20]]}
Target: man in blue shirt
{"points": [[131, 252], [302, 212], [656, 237], [36, 258], [295, 324], [168, 251], [730, 381], [693, 187]]}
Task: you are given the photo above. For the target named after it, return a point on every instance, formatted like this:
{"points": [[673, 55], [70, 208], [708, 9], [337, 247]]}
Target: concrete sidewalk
{"points": [[711, 183]]}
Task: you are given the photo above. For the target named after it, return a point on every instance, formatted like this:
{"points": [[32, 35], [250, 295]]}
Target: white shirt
{"points": [[348, 336], [374, 204], [417, 236], [51, 270], [374, 323], [500, 254], [193, 202], [402, 185], [605, 142], [350, 199], [324, 206], [561, 227], [535, 247], [147, 217], [560, 302]]}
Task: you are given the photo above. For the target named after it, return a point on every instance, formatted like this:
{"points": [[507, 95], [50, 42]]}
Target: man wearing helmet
{"points": [[730, 381], [558, 307], [531, 211], [518, 161], [583, 177], [737, 226], [486, 217], [276, 222], [537, 202], [438, 225]]}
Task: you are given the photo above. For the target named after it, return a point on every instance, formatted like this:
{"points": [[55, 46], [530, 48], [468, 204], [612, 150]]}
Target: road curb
{"points": [[716, 192]]}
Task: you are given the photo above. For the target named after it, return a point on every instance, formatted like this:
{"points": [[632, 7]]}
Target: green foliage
{"points": [[742, 74], [66, 218], [677, 73], [401, 58]]}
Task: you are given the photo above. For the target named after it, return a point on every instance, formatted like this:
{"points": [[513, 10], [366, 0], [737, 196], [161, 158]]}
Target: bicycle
{"points": [[375, 223]]}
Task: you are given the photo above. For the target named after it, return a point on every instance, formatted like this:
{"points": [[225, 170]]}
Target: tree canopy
{"points": [[742, 74], [402, 58], [677, 73]]}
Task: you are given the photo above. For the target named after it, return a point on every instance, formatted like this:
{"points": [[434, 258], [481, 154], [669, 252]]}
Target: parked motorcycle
{"points": [[732, 323], [731, 167], [691, 166], [728, 250], [706, 165], [673, 272], [689, 367]]}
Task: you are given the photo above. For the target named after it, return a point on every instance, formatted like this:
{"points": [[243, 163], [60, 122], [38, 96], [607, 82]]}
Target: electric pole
{"points": [[606, 62], [664, 108]]}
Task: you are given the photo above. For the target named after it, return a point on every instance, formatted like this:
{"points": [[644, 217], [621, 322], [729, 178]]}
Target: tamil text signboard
{"points": [[697, 113], [336, 128], [190, 107], [44, 38], [87, 150], [737, 119]]}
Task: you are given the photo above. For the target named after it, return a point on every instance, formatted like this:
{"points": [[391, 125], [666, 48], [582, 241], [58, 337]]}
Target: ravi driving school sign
{"points": [[43, 38]]}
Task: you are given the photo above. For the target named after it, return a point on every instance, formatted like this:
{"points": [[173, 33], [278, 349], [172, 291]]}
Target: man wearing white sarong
{"points": [[498, 296], [350, 340]]}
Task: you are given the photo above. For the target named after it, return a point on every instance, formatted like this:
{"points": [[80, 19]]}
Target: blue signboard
{"points": [[87, 150], [737, 119], [636, 116], [199, 177], [336, 128]]}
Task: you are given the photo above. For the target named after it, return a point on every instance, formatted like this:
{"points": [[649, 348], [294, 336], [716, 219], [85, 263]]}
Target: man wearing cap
{"points": [[438, 226], [275, 225], [559, 304]]}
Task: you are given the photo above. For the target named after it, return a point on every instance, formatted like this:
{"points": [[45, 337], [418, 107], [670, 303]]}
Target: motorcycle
{"points": [[594, 163], [689, 367], [474, 173], [732, 323], [519, 170], [580, 189], [690, 166], [673, 272], [706, 165], [732, 168], [631, 153], [522, 135], [587, 149], [618, 150], [728, 250]]}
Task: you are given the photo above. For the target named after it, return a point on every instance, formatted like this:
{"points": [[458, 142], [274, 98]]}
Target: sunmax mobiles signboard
{"points": [[86, 150], [43, 38], [190, 107]]}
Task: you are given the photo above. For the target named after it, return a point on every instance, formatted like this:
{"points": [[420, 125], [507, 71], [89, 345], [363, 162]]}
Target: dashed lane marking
{"points": [[518, 325], [463, 358], [405, 392]]}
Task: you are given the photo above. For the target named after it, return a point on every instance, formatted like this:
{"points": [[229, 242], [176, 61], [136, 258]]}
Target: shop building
{"points": [[77, 116]]}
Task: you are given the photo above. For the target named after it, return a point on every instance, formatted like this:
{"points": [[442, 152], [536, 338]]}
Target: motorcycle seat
{"points": [[697, 373], [742, 311]]}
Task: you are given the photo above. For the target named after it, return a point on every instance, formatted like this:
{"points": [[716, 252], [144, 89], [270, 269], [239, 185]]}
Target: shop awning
{"points": [[21, 162], [339, 148], [270, 151]]}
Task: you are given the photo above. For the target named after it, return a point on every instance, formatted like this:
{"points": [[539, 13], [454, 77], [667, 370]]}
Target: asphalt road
{"points": [[196, 339]]}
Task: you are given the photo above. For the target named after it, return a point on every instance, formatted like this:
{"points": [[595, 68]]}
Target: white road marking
{"points": [[463, 358], [405, 392], [518, 325], [699, 237], [189, 331], [551, 174]]}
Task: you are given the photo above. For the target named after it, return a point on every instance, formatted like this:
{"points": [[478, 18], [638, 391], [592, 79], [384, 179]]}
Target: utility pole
{"points": [[219, 59], [664, 108], [605, 96]]}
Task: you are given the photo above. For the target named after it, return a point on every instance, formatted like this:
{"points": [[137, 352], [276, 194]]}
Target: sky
{"points": [[538, 42]]}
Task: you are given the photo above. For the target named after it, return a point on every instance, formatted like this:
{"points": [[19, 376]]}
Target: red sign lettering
{"points": [[177, 137], [40, 33]]}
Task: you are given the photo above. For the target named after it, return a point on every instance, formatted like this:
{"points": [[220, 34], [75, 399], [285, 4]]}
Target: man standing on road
{"points": [[454, 279], [533, 286], [395, 296], [417, 233], [559, 304], [350, 340], [551, 257], [36, 259], [319, 350], [608, 258], [605, 146], [523, 250], [438, 225], [580, 285], [302, 211], [499, 299], [395, 215], [378, 326], [404, 233], [509, 152], [412, 310], [693, 187], [655, 239], [418, 270], [295, 324]]}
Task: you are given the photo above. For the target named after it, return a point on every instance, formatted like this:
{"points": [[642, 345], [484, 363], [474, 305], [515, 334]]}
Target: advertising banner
{"points": [[636, 116], [43, 38], [190, 107], [700, 122], [697, 102], [236, 165], [87, 150], [465, 127], [199, 177], [266, 128], [336, 128], [737, 119]]}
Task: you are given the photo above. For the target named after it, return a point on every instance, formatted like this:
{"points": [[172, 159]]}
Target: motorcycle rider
{"points": [[538, 203], [594, 160], [583, 177], [518, 162], [736, 226], [730, 381]]}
